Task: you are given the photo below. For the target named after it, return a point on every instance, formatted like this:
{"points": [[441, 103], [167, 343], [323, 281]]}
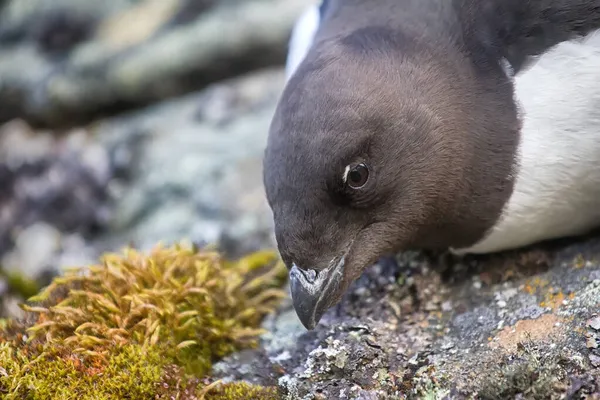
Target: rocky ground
{"points": [[524, 325], [137, 121]]}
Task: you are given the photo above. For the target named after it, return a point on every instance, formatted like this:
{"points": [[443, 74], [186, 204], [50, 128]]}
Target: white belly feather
{"points": [[557, 186]]}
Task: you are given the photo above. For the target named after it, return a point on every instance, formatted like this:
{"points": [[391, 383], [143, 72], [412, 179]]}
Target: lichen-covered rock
{"points": [[88, 59], [193, 167], [54, 197], [521, 325]]}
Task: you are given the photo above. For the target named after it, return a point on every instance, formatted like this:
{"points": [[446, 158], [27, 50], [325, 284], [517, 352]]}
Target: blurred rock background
{"points": [[132, 122]]}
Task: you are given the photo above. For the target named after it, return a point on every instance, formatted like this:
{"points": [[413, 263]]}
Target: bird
{"points": [[469, 126]]}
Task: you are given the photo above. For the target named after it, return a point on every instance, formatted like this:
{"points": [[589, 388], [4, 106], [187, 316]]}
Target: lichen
{"points": [[533, 374], [112, 330], [425, 385]]}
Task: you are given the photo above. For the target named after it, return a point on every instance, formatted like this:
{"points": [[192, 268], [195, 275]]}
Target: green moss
{"points": [[112, 330], [129, 373], [239, 390], [22, 285]]}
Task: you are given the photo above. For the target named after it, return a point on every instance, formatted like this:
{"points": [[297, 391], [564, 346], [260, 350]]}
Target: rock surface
{"points": [[194, 167], [516, 325], [88, 59], [54, 196]]}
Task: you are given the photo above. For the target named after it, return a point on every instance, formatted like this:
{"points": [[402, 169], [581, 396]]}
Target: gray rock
{"points": [[594, 323], [474, 325], [474, 349], [87, 59], [194, 167], [283, 331], [34, 248], [50, 186]]}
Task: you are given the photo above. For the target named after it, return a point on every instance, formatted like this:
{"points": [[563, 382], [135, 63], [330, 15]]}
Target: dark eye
{"points": [[357, 176]]}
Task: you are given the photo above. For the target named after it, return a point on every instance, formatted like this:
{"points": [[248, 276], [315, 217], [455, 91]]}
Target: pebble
{"points": [[447, 306], [447, 346], [594, 323], [34, 248]]}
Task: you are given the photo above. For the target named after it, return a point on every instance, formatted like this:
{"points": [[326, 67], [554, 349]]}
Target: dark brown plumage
{"points": [[415, 90]]}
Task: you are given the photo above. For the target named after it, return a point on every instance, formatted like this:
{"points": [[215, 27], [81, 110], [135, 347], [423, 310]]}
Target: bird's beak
{"points": [[314, 292]]}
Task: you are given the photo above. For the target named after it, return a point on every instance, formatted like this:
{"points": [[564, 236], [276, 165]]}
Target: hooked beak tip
{"points": [[311, 292], [305, 298]]}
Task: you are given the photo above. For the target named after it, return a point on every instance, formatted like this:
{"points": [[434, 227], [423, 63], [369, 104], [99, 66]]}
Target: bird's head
{"points": [[371, 152]]}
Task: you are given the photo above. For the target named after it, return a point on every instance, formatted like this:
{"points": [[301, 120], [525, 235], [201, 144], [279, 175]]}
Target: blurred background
{"points": [[129, 122]]}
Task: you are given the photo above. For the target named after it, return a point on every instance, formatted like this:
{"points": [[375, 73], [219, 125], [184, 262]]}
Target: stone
{"points": [[61, 182], [34, 248], [193, 172], [86, 60], [361, 350], [594, 323]]}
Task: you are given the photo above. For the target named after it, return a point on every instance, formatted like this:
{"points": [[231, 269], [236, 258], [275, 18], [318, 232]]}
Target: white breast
{"points": [[557, 187]]}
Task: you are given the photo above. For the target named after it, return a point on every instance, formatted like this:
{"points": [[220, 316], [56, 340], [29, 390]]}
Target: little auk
{"points": [[464, 125]]}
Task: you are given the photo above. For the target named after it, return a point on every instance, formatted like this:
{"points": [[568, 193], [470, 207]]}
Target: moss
{"points": [[114, 329], [21, 285], [239, 390], [130, 372]]}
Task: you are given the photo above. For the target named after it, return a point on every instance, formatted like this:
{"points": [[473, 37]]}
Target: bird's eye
{"points": [[357, 175]]}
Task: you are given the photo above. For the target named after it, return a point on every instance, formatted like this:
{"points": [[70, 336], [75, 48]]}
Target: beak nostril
{"points": [[309, 274]]}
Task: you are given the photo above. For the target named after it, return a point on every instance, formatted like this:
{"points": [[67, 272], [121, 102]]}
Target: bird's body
{"points": [[557, 188], [479, 146]]}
